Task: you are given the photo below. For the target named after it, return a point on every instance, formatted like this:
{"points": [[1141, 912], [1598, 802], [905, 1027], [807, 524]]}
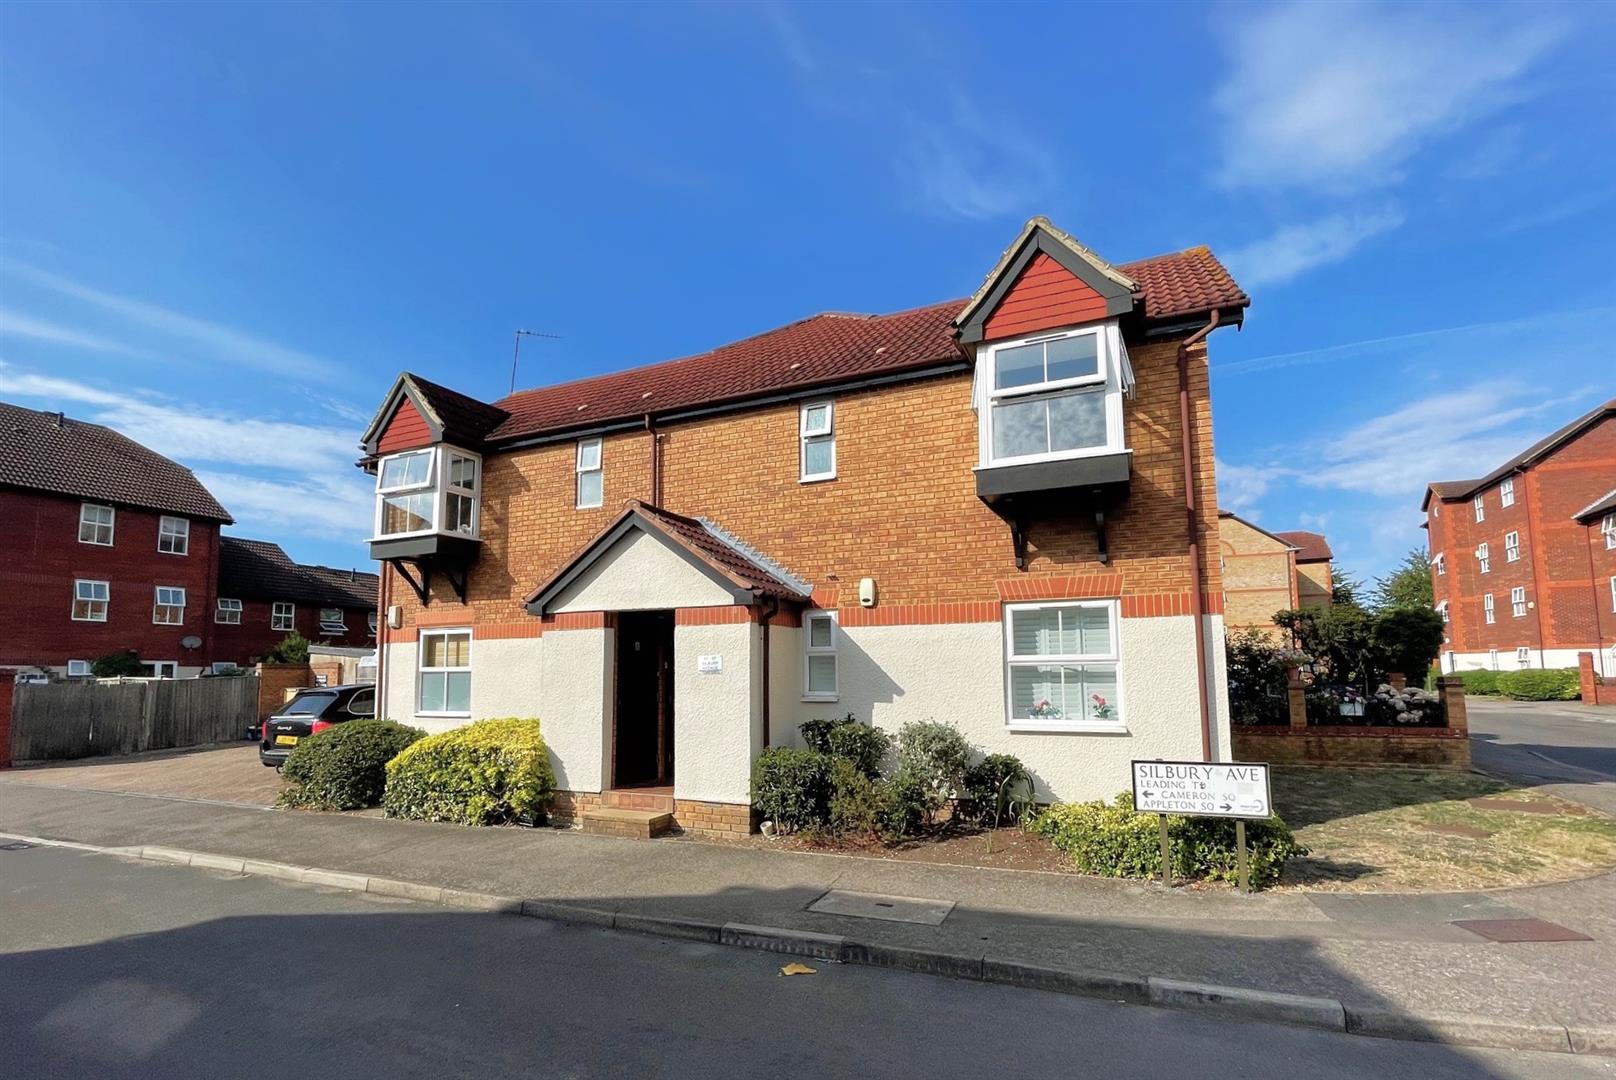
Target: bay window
{"points": [[428, 491], [1061, 666], [1053, 396], [444, 687]]}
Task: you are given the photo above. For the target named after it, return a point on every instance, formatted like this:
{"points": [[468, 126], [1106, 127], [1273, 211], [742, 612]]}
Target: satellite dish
{"points": [[190, 642]]}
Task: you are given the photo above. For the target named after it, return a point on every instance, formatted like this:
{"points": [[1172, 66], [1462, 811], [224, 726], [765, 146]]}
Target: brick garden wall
{"points": [[1431, 747], [274, 680]]}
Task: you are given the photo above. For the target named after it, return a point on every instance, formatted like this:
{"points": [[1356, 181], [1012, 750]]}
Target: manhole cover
{"points": [[907, 909], [16, 845], [1469, 831], [1511, 930], [1522, 806]]}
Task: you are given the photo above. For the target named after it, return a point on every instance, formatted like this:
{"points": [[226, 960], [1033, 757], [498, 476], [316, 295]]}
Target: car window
{"points": [[363, 703], [307, 704]]}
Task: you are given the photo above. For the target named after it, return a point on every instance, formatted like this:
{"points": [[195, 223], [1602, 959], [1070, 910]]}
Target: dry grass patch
{"points": [[1412, 830]]}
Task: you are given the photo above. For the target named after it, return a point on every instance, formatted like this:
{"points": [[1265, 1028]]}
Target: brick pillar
{"points": [[1398, 680], [8, 691], [1451, 687], [1296, 695], [1585, 672]]}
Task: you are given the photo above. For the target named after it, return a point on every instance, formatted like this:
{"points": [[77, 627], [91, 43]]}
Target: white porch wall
{"points": [[575, 705], [639, 573], [717, 730], [398, 686]]}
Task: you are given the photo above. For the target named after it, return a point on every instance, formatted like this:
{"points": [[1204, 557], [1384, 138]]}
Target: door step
{"points": [[637, 799], [632, 824]]}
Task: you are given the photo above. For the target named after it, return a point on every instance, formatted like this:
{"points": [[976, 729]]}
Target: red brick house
{"points": [[109, 546], [999, 511], [1523, 560], [264, 595]]}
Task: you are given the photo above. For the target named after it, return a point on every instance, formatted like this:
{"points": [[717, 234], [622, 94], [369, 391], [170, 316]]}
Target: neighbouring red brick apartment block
{"points": [[110, 547], [998, 511], [1523, 560]]}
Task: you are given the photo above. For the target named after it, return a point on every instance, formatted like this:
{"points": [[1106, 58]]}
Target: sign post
{"points": [[1230, 789]]}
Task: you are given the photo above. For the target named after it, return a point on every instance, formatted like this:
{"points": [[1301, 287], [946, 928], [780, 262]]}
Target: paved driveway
{"points": [[220, 774], [1562, 746]]}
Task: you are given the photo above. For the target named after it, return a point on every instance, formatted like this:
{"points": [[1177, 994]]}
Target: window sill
{"points": [[822, 698], [815, 479], [445, 715], [1080, 727]]}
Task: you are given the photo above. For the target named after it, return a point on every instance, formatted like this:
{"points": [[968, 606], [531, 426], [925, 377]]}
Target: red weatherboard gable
{"points": [[1046, 295], [406, 430]]}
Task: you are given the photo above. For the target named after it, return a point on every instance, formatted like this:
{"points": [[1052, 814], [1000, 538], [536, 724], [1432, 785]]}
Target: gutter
{"points": [[1197, 602]]}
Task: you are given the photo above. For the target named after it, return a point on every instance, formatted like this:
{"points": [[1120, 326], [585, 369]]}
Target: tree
{"points": [[1408, 639], [1344, 588], [1407, 586], [292, 649], [115, 664], [1339, 638]]}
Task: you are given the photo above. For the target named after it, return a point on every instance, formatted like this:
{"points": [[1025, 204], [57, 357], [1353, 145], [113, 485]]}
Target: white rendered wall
{"points": [[716, 730], [575, 705], [1604, 660], [398, 686], [640, 573]]}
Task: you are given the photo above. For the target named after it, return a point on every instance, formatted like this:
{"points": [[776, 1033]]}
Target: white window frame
{"points": [[1523, 657], [1112, 657], [1113, 378], [158, 605], [598, 445], [452, 489], [338, 625], [176, 531], [227, 611], [1613, 594], [1440, 561], [372, 622], [1492, 659], [79, 597], [1480, 503], [1484, 558], [1512, 547], [280, 619], [1487, 611], [96, 524], [1608, 527], [1517, 601], [84, 669], [422, 671], [158, 667], [808, 434], [437, 484], [223, 665], [809, 649], [1506, 493], [1442, 610]]}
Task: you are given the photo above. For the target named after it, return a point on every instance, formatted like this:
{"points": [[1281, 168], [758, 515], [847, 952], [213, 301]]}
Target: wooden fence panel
{"points": [[71, 720]]}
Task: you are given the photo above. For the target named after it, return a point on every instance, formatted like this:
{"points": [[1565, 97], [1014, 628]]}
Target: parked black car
{"points": [[311, 711]]}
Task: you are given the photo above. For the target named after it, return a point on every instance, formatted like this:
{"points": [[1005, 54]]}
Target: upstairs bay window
{"points": [[428, 491], [1061, 666], [1053, 396]]}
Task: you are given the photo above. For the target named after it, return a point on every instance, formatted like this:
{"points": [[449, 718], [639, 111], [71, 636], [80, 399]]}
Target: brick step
{"points": [[618, 821], [629, 799]]}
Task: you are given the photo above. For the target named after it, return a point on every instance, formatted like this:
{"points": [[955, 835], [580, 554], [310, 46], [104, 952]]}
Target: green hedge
{"points": [[1112, 840], [344, 767], [1480, 683], [487, 773], [792, 787], [1554, 684]]}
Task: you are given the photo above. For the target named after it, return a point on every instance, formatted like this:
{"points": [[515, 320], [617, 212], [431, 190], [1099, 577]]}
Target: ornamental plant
{"points": [[489, 773]]}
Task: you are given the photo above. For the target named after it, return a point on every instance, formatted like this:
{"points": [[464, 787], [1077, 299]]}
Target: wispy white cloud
{"points": [[1242, 487], [322, 507], [1297, 248], [1562, 209], [1338, 97], [16, 324], [222, 345]]}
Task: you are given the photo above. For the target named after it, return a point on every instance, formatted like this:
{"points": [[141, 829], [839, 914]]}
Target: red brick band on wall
{"points": [[711, 616]]}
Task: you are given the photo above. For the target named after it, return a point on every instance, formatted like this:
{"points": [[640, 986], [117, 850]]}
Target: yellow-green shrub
{"points": [[487, 773]]}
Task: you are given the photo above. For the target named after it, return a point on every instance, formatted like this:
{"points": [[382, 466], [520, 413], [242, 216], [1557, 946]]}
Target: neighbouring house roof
{"points": [[1601, 506], [742, 569], [1310, 546], [260, 570], [828, 349], [1463, 489], [50, 452], [1278, 538], [452, 416]]}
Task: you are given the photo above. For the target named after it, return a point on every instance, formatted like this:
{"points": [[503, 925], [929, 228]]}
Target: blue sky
{"points": [[224, 228]]}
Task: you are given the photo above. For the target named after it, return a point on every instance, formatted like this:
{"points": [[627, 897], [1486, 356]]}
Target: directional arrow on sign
{"points": [[1147, 794], [1225, 806]]}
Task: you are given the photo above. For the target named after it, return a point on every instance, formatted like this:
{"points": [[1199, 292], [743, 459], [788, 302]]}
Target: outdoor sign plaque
{"points": [[1231, 789]]}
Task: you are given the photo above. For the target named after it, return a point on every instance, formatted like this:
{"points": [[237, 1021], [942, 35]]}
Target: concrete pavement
{"points": [[118, 969], [1563, 747]]}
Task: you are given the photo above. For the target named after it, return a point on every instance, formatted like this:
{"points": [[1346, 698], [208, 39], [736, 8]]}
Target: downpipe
{"points": [[1192, 526]]}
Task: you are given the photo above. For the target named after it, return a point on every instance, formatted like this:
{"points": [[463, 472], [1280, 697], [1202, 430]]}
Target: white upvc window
{"points": [[1523, 657], [332, 621], [819, 666], [163, 669], [1440, 562], [1506, 493], [1517, 601], [282, 616], [95, 524], [434, 490], [591, 476], [1613, 594], [1053, 396], [1512, 547], [816, 431], [1442, 610], [1608, 527], [1061, 666], [168, 606], [227, 612], [90, 600], [173, 535], [1487, 607], [78, 669], [1492, 659], [444, 675], [371, 622], [1481, 507], [1484, 558]]}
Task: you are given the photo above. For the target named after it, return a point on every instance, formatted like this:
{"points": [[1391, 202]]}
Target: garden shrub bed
{"points": [[344, 767], [488, 773]]}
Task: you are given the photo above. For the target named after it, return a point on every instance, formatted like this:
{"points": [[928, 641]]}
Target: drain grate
{"points": [[908, 909], [1516, 930], [17, 845]]}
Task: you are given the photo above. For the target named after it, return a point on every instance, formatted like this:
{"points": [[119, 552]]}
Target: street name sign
{"points": [[1231, 789]]}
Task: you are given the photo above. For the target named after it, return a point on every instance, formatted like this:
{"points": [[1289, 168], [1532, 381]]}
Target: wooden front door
{"points": [[642, 743]]}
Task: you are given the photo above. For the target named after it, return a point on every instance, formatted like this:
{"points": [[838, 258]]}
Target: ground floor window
{"points": [[78, 668], [1061, 665], [163, 669], [445, 673], [819, 664]]}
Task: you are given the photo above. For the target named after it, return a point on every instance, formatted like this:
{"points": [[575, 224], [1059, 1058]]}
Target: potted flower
{"points": [[1102, 709], [1044, 709]]}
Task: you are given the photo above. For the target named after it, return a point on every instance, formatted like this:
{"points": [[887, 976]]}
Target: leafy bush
{"points": [[860, 805], [345, 767], [816, 733], [1480, 683], [792, 787], [485, 773], [1554, 684], [291, 649], [864, 745], [1407, 639], [1112, 840], [997, 789], [936, 756], [115, 664], [1257, 677]]}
